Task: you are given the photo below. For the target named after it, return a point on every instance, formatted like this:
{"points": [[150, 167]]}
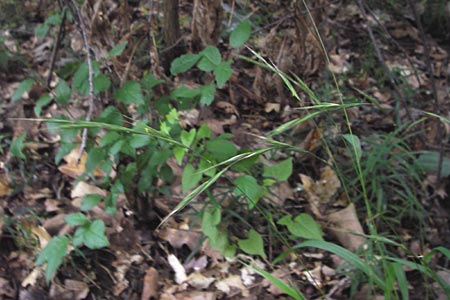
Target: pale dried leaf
{"points": [[226, 285], [345, 225], [82, 189], [177, 267], [199, 281], [79, 289], [177, 237], [269, 107], [150, 288], [74, 169]]}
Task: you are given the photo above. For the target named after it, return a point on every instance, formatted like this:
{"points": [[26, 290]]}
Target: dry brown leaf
{"points": [[79, 289], [272, 107], [82, 189], [74, 169], [4, 186], [200, 281], [228, 284], [339, 63], [345, 224], [178, 237], [150, 288]]}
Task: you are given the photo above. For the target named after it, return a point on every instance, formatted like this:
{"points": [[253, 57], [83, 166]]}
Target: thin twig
{"points": [[383, 62], [429, 65], [59, 37], [76, 9]]}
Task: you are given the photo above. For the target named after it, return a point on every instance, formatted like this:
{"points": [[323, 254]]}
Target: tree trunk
{"points": [[171, 28]]}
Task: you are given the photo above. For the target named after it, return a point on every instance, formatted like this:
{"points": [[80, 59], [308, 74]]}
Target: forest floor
{"points": [[143, 262]]}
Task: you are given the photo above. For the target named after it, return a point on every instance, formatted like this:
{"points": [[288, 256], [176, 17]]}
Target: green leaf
{"points": [[17, 146], [118, 49], [53, 254], [139, 140], [302, 226], [355, 144], [130, 93], [210, 219], [101, 83], [92, 235], [207, 94], [90, 201], [42, 101], [183, 63], [179, 152], [254, 245], [95, 157], [222, 73], [219, 240], [149, 81], [23, 87], [221, 149], [187, 137], [76, 219], [203, 132], [184, 92], [41, 30], [210, 58], [429, 161], [63, 92], [281, 171], [241, 34], [246, 185], [190, 178]]}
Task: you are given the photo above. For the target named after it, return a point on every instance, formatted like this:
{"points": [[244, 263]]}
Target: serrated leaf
{"points": [[118, 49], [221, 149], [62, 92], [90, 201], [139, 140], [355, 144], [210, 58], [429, 161], [149, 81], [253, 245], [53, 254], [95, 157], [41, 102], [241, 34], [184, 92], [248, 186], [280, 171], [76, 219], [222, 73], [187, 137], [92, 235], [130, 93], [207, 94], [183, 63], [190, 178], [23, 87], [17, 146], [101, 83]]}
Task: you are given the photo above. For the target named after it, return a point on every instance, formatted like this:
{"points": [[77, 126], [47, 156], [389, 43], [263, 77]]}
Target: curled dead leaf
{"points": [[150, 288]]}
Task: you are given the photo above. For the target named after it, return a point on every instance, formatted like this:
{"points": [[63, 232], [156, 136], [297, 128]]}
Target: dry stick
{"points": [[82, 29], [382, 61], [437, 107], [59, 37]]}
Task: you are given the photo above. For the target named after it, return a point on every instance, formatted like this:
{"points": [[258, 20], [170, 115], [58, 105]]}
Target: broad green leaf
{"points": [[246, 164], [429, 161], [247, 186], [95, 157], [109, 138], [23, 87], [185, 92], [190, 178], [41, 102], [187, 137], [149, 81], [219, 240], [41, 30], [92, 235], [101, 83], [139, 140], [241, 34], [76, 219], [62, 92], [53, 254], [355, 144], [183, 63], [302, 226], [90, 201], [203, 132], [254, 245], [210, 58], [179, 152], [118, 49], [207, 94], [207, 167], [280, 171], [222, 73], [130, 93], [17, 146], [80, 82], [221, 149], [210, 219]]}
